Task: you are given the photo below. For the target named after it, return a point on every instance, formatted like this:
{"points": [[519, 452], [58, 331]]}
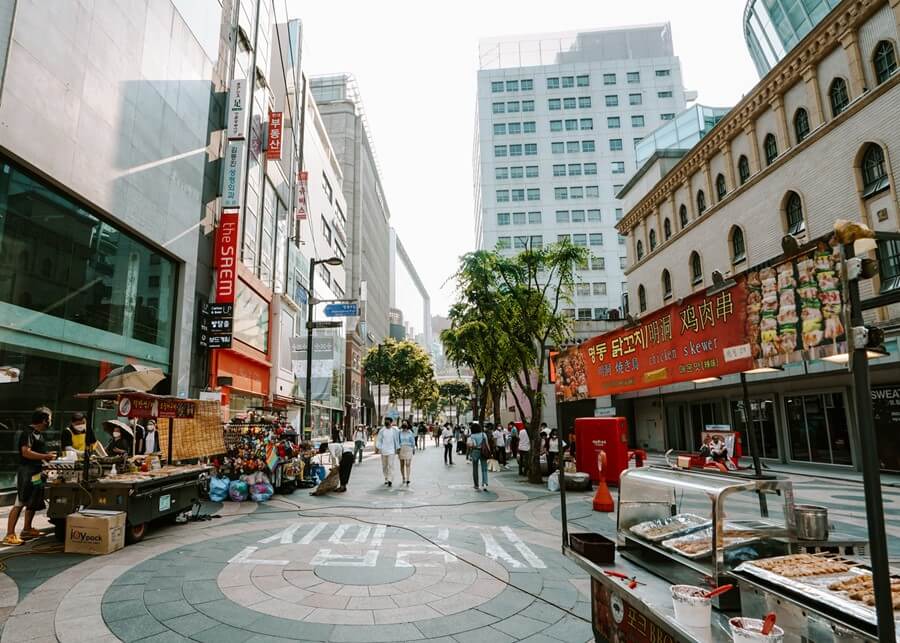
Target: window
{"points": [[609, 79], [633, 77], [534, 217], [502, 196], [569, 103], [579, 240], [666, 284], [592, 191], [512, 107], [560, 194], [512, 85], [572, 147], [515, 150], [497, 87], [499, 128], [771, 148], [515, 172], [583, 81], [562, 216], [586, 124], [637, 121], [530, 149], [326, 231], [738, 251], [527, 105], [615, 144], [531, 171], [668, 116], [584, 314], [696, 269], [793, 212], [554, 104], [639, 249], [503, 218], [874, 174], [537, 241], [520, 243], [598, 263], [518, 218], [617, 167], [683, 215], [885, 61], [590, 169], [571, 124], [504, 243], [634, 99], [557, 147], [599, 287], [574, 169], [839, 96], [534, 194], [514, 128], [556, 126], [498, 108], [619, 214], [888, 253], [642, 298], [665, 94], [721, 190], [652, 240], [593, 216], [568, 312], [667, 229], [518, 195], [501, 173], [583, 289], [587, 146], [499, 150], [576, 192], [743, 169], [553, 82], [623, 263], [577, 216], [801, 124], [662, 73], [559, 170], [527, 85], [611, 100], [568, 81], [701, 202]]}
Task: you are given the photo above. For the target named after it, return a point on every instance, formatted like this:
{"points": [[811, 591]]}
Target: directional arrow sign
{"points": [[342, 310]]}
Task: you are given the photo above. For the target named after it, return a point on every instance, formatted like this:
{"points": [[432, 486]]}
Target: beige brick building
{"points": [[817, 139]]}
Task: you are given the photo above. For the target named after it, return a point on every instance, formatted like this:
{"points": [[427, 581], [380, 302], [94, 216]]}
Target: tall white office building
{"points": [[558, 118]]}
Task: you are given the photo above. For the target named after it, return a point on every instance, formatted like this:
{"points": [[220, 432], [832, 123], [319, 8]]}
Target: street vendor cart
{"points": [[146, 488]]}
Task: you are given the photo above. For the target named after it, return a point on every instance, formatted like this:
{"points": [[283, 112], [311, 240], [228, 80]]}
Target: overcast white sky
{"points": [[416, 65]]}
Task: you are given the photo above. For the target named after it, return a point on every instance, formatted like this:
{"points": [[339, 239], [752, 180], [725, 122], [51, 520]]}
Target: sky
{"points": [[416, 63]]}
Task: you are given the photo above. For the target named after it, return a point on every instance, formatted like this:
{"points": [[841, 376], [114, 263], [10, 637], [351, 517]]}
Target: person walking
{"points": [[387, 443], [460, 437], [421, 432], [500, 445], [407, 450], [479, 452], [554, 445], [513, 433], [447, 437], [29, 481], [360, 437], [524, 452]]}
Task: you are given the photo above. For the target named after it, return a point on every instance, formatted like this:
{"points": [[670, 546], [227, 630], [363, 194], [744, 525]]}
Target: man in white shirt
{"points": [[387, 443], [500, 445], [447, 439], [524, 451]]}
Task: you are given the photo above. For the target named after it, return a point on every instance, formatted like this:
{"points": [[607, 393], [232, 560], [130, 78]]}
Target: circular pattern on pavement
{"points": [[382, 573]]}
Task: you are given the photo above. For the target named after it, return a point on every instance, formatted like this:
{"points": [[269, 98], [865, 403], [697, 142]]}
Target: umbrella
{"points": [[132, 377], [111, 425]]}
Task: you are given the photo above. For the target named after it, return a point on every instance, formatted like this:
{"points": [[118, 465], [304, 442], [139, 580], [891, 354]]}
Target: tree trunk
{"points": [[496, 390], [378, 406]]}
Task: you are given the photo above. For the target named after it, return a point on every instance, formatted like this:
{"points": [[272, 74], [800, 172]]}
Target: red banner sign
{"points": [[225, 259], [138, 406], [182, 409], [703, 336], [300, 208], [273, 149]]}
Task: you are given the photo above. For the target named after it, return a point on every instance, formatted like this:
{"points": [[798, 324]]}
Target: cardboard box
{"points": [[95, 532]]}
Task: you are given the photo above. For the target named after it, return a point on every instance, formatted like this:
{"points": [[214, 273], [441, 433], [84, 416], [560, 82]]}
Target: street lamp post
{"points": [[331, 261]]}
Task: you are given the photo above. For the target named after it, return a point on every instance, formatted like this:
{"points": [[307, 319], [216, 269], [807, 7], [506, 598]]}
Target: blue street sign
{"points": [[342, 310]]}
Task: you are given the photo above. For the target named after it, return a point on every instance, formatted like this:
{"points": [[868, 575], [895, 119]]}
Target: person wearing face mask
{"points": [[29, 480], [78, 435], [121, 443], [151, 439], [407, 449]]}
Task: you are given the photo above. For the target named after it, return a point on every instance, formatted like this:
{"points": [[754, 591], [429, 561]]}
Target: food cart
{"points": [[145, 493]]}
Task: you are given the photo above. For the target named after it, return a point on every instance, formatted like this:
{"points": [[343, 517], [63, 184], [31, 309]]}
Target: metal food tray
{"points": [[728, 542], [816, 588], [689, 523]]}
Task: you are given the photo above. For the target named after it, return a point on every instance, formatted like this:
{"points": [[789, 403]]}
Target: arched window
{"points": [[801, 124], [667, 229], [652, 240], [682, 215], [642, 298], [701, 202], [666, 284], [743, 169], [839, 96], [793, 213], [885, 61], [696, 269], [874, 174], [721, 190], [738, 251], [771, 148], [640, 249]]}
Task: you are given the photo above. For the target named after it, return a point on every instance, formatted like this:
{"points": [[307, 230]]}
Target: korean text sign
{"points": [[226, 257]]}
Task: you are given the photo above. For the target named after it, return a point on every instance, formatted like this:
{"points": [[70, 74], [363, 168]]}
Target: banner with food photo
{"points": [[795, 308]]}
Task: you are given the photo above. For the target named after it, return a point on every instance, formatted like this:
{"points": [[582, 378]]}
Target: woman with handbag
{"points": [[407, 449], [479, 452]]}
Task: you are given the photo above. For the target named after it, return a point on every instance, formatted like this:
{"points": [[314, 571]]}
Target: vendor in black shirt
{"points": [[122, 442], [29, 481]]}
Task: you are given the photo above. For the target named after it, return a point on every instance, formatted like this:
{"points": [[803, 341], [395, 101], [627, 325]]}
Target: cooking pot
{"points": [[812, 522]]}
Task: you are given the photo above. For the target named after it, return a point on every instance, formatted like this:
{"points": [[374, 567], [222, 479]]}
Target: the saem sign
{"points": [[226, 257]]}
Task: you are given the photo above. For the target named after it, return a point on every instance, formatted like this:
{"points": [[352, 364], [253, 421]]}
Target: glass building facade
{"points": [[773, 27], [681, 133]]}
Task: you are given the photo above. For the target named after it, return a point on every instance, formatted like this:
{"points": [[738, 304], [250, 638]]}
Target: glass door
{"points": [[818, 428], [763, 422]]}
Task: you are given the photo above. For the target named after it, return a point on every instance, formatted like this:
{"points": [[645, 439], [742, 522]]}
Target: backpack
{"points": [[485, 447]]}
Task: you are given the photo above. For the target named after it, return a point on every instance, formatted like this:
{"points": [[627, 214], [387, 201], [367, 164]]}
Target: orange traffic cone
{"points": [[603, 499]]}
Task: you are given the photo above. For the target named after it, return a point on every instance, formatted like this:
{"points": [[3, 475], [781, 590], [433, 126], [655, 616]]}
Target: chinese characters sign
{"points": [[237, 115], [703, 336], [273, 148]]}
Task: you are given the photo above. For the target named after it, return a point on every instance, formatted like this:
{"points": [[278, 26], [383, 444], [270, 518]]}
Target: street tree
{"points": [[453, 393], [377, 366], [410, 368]]}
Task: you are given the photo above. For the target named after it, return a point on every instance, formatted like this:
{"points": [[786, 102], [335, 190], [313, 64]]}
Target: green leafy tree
{"points": [[453, 393], [410, 367], [377, 367]]}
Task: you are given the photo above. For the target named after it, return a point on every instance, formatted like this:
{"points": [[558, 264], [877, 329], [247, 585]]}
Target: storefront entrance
{"points": [[763, 413], [685, 421], [818, 428]]}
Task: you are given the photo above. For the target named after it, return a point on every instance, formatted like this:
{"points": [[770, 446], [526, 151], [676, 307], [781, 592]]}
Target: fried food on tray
{"points": [[799, 565]]}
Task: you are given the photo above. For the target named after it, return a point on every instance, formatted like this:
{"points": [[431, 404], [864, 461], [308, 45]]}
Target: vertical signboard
{"points": [[237, 109], [273, 147], [232, 186], [226, 257], [300, 208], [322, 365]]}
